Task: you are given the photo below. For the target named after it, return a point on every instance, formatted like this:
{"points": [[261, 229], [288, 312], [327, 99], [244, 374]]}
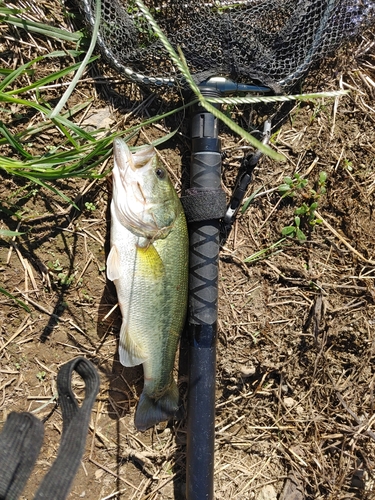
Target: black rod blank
{"points": [[205, 178]]}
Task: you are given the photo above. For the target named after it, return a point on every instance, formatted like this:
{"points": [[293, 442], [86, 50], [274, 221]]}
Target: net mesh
{"points": [[273, 42]]}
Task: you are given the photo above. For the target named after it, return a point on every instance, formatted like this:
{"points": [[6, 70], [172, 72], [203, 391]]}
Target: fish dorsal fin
{"points": [[131, 354], [149, 263], [113, 264]]}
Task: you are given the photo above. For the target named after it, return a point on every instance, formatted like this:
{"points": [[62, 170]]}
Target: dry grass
{"points": [[295, 377]]}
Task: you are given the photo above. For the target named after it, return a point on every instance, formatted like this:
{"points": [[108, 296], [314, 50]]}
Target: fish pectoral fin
{"points": [[113, 264], [131, 354], [149, 263]]}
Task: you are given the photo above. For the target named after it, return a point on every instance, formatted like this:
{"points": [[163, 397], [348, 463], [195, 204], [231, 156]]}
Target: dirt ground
{"points": [[296, 348]]}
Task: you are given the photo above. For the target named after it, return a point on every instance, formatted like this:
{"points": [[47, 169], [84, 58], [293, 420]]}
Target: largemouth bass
{"points": [[148, 263]]}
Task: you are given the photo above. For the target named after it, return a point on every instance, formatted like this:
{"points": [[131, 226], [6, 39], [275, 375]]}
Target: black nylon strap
{"points": [[204, 204], [57, 482], [22, 436], [20, 443]]}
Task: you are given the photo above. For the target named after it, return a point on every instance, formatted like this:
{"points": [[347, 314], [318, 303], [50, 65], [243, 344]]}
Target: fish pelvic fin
{"points": [[113, 264], [130, 353], [153, 411]]}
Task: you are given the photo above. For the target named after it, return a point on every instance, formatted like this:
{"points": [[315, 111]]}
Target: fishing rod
{"points": [[205, 193], [205, 205]]}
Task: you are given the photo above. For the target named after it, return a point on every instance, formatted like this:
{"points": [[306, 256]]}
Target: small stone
{"points": [[293, 489], [268, 492], [300, 411], [247, 370], [289, 402], [99, 473], [101, 118]]}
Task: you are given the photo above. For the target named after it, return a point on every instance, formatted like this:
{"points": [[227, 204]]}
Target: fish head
{"points": [[144, 198]]}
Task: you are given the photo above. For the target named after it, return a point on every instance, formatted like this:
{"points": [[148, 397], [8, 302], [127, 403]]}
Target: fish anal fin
{"points": [[113, 264], [130, 353]]}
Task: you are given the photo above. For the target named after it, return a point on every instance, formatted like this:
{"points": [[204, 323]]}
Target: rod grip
{"points": [[203, 273], [205, 176]]}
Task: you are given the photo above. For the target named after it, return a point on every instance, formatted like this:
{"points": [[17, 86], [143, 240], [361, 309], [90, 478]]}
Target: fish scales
{"points": [[148, 263]]}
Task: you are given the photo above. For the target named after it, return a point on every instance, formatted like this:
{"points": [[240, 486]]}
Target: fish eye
{"points": [[160, 173]]}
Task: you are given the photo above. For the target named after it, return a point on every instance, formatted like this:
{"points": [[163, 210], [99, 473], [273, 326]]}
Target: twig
{"points": [[53, 399], [11, 245], [160, 486], [117, 476], [269, 215], [371, 434], [343, 240], [45, 367], [113, 495], [110, 312], [85, 268], [20, 330], [40, 307]]}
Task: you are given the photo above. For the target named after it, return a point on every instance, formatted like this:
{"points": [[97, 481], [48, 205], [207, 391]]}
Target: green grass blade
{"points": [[16, 73], [6, 233], [163, 139], [63, 53], [80, 132], [40, 28], [48, 79], [51, 188], [84, 63], [59, 121], [19, 302], [13, 141], [249, 200], [43, 126], [176, 58], [275, 98], [241, 132], [265, 252], [4, 97], [74, 162], [5, 11]]}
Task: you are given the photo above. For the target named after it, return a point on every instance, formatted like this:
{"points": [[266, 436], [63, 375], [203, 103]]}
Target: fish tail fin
{"points": [[151, 411]]}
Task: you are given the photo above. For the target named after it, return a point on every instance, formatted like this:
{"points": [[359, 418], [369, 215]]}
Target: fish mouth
{"points": [[130, 200], [125, 159]]}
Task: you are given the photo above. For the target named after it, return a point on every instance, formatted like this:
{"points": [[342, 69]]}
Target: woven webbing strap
{"points": [[20, 442], [22, 436]]}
